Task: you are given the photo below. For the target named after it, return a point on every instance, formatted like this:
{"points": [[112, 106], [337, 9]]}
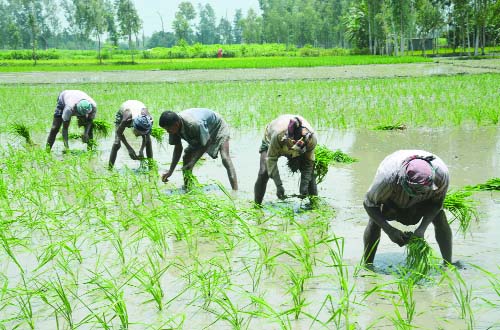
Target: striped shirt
{"points": [[386, 187]]}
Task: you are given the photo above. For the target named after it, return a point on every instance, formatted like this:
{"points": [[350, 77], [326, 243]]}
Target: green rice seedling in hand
{"points": [[21, 130], [462, 207], [158, 133], [325, 157], [419, 258], [101, 127]]}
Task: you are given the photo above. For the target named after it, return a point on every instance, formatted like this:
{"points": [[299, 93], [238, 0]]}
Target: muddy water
{"points": [[441, 67], [472, 155]]}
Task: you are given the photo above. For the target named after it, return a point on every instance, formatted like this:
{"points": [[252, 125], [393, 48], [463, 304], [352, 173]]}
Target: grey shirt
{"points": [[385, 187], [201, 127], [69, 98]]}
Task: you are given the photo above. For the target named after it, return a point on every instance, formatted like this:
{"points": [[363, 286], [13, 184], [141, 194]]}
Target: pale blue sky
{"points": [[148, 11]]}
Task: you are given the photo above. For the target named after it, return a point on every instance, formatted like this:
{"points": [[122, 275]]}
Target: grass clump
{"points": [[393, 127], [101, 127], [325, 157], [419, 257], [21, 130], [157, 133], [462, 207], [492, 184]]}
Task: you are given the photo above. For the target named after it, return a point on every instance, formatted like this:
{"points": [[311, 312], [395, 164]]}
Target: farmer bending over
{"points": [[409, 187], [72, 103], [205, 131], [293, 137], [133, 114]]}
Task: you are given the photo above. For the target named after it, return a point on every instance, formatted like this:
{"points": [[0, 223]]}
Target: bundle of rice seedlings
{"points": [[74, 136], [490, 185], [148, 165], [21, 130], [325, 157], [158, 133], [419, 257], [462, 207], [397, 126], [101, 127]]}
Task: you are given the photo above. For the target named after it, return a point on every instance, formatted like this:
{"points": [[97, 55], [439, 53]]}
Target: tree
{"points": [[206, 28], [128, 21], [182, 22], [428, 19], [161, 39], [224, 32], [109, 15], [252, 28], [91, 18], [238, 26]]}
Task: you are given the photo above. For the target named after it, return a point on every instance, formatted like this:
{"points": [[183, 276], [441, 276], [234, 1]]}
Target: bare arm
{"points": [[396, 235], [175, 160]]}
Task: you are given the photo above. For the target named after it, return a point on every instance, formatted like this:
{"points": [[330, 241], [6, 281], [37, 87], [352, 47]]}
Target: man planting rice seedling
{"points": [[409, 187], [135, 115], [206, 132], [72, 103], [293, 137]]}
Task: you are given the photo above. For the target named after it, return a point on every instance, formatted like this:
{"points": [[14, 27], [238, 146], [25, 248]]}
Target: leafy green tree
{"points": [[252, 28], [224, 32], [161, 39], [128, 21], [111, 28], [238, 26], [91, 18], [429, 18], [207, 26], [182, 22]]}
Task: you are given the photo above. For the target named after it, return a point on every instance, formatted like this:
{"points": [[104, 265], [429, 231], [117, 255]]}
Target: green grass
{"points": [[202, 63], [492, 184], [326, 157], [358, 103]]}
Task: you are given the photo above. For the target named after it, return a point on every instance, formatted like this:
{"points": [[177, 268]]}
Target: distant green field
{"points": [[201, 63]]}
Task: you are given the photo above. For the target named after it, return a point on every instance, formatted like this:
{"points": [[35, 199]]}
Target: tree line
{"points": [[367, 26]]}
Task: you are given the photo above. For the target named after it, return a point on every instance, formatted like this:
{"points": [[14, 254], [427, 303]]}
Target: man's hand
{"points": [[165, 176], [132, 154], [398, 237], [280, 192], [419, 233]]}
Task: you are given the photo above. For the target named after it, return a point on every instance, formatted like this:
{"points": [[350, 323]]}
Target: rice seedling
{"points": [[344, 311], [391, 127], [101, 127], [150, 280], [113, 293], [296, 289], [265, 310], [462, 207], [494, 280], [23, 131], [230, 312], [158, 133], [324, 158], [63, 304], [463, 294], [492, 184], [420, 259]]}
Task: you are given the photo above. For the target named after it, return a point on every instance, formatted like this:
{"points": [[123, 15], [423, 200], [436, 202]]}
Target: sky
{"points": [[150, 11]]}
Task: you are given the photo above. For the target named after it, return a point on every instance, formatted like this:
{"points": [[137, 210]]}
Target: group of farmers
{"points": [[409, 186]]}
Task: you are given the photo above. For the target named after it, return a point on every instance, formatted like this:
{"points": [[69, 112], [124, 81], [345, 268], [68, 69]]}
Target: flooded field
{"points": [[82, 247], [99, 254], [441, 67]]}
